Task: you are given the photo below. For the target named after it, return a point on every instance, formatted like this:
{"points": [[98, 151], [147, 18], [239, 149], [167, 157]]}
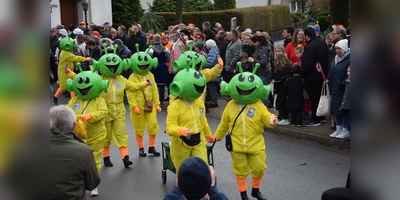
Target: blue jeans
{"points": [[264, 80], [343, 119]]}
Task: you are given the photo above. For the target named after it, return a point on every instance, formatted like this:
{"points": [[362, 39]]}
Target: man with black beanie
{"points": [[316, 51]]}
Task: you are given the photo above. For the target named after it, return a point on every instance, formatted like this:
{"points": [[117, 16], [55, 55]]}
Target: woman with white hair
{"points": [[212, 60]]}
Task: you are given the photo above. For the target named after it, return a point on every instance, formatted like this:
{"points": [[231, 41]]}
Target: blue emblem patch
{"points": [[201, 112], [77, 106], [250, 113], [118, 84]]}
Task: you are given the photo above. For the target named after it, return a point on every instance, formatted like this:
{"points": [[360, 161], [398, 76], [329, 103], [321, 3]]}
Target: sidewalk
{"points": [[319, 134]]}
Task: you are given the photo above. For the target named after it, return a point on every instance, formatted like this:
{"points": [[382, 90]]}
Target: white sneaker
{"points": [[284, 122], [94, 192], [336, 133], [343, 134]]}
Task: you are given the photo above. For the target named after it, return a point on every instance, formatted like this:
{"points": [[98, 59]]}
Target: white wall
{"points": [[56, 13], [250, 3], [102, 11]]}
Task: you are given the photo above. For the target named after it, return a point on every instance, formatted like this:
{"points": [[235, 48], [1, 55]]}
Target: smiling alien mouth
{"points": [[85, 91], [143, 67], [199, 89], [244, 92], [112, 68]]}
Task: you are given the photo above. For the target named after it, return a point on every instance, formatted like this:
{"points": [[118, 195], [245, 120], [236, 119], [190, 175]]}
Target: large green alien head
{"points": [[87, 84], [187, 59], [188, 84], [110, 65], [141, 62], [245, 87], [67, 44]]}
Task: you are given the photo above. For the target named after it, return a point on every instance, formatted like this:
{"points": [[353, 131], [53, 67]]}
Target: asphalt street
{"points": [[296, 169]]}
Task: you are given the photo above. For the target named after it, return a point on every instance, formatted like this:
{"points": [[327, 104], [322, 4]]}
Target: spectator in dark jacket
{"points": [[139, 32], [94, 51], [222, 44], [133, 40], [122, 34], [73, 169], [195, 180], [124, 53], [287, 35], [315, 51], [295, 99]]}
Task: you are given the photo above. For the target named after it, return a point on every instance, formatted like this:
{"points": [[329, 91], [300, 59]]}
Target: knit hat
{"points": [[194, 179], [343, 44], [210, 43], [63, 32], [77, 31], [199, 44]]}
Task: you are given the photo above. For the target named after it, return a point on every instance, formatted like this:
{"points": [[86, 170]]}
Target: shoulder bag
{"points": [[228, 139]]}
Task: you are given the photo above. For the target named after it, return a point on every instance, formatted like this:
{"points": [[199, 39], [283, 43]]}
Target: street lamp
{"points": [[85, 7]]}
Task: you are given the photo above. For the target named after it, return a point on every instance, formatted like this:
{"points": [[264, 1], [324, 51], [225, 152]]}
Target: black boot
{"points": [[142, 153], [255, 192], [154, 151], [244, 195], [126, 161], [55, 100], [107, 162]]}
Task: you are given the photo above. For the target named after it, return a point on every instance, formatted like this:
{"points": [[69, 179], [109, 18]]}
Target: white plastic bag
{"points": [[324, 104]]}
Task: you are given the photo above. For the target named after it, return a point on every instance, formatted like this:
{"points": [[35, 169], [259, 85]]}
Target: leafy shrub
{"points": [[298, 16]]}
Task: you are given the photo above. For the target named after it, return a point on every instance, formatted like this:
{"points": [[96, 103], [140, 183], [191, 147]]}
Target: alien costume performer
{"points": [[67, 59], [186, 121], [91, 108], [187, 58], [142, 63], [111, 66], [248, 147]]}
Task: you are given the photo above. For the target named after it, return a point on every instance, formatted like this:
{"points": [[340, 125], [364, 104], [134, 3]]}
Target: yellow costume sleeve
{"points": [[131, 95], [156, 98], [133, 87], [172, 98], [74, 58], [212, 73], [102, 110], [265, 117], [172, 120], [223, 126]]}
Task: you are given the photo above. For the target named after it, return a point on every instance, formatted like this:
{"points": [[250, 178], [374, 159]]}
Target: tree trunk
{"points": [[339, 12], [179, 11]]}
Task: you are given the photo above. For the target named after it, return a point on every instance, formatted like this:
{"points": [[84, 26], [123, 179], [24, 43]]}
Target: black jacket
{"points": [[222, 45], [286, 42], [124, 38], [294, 90], [132, 41], [315, 51]]}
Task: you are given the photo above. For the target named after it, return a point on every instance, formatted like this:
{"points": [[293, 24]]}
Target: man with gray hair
{"points": [[338, 34], [73, 169]]}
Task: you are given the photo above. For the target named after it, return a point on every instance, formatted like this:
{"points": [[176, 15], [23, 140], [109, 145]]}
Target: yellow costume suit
{"points": [[96, 129], [66, 58], [115, 119], [247, 139], [182, 113], [137, 98]]}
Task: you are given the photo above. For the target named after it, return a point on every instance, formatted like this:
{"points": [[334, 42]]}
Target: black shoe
{"points": [[154, 151], [55, 100], [212, 105], [107, 162], [244, 195], [142, 153], [255, 192], [126, 161]]}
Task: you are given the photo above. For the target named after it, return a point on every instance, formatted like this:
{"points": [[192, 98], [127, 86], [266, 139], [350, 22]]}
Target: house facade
{"points": [[68, 12]]}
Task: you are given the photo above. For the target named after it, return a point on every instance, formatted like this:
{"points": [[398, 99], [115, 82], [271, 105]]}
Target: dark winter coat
{"points": [[132, 41], [124, 38], [222, 45], [346, 97], [163, 56], [249, 49], [286, 42], [294, 88], [315, 51], [279, 87], [337, 82], [263, 59]]}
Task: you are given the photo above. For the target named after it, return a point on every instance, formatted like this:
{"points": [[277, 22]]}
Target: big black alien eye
{"points": [[197, 74], [190, 57], [140, 58], [86, 80], [146, 58], [114, 59], [108, 59], [241, 77], [80, 80], [251, 78]]}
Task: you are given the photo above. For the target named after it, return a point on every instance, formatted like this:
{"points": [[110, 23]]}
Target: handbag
{"points": [[324, 104], [228, 139], [148, 105]]}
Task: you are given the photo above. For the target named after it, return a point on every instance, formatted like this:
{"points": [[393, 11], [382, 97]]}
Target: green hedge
{"points": [[269, 18]]}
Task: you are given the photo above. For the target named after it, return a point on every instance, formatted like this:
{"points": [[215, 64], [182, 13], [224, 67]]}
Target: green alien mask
{"points": [[188, 84], [141, 62], [87, 84], [67, 44], [110, 65], [245, 87], [187, 58]]}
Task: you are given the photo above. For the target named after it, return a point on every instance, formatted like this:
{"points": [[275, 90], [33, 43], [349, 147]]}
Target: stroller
{"points": [[168, 164]]}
